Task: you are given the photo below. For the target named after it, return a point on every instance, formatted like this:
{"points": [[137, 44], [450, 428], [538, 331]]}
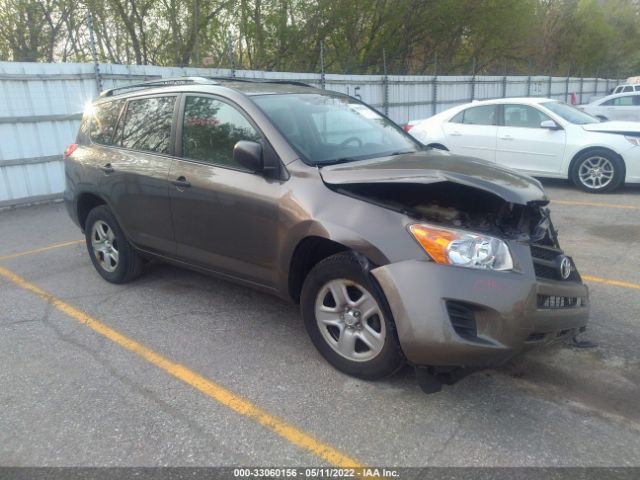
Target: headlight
{"points": [[633, 140], [464, 249]]}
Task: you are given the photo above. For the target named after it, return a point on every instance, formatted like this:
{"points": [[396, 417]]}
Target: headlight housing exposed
{"points": [[464, 249]]}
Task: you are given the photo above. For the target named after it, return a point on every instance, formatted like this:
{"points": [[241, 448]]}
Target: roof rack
{"points": [[161, 82], [261, 80]]}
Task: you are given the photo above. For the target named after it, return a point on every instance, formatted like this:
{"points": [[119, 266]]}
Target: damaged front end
{"points": [[460, 206], [467, 208], [451, 321]]}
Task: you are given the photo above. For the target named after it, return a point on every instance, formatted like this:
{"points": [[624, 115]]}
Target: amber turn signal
{"points": [[434, 241]]}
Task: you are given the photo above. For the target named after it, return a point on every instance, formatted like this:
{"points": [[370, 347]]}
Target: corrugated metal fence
{"points": [[41, 105]]}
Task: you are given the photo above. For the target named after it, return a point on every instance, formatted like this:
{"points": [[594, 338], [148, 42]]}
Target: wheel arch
{"points": [[592, 148], [86, 202], [312, 249], [308, 253]]}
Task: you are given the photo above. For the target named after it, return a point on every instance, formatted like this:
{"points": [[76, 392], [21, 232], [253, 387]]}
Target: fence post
{"points": [[596, 87], [232, 60], [322, 64], [473, 80], [385, 84], [550, 83], [581, 88], [504, 87], [434, 95], [94, 54], [566, 89]]}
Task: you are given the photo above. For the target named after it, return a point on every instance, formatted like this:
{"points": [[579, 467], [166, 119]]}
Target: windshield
{"points": [[332, 128], [570, 114]]}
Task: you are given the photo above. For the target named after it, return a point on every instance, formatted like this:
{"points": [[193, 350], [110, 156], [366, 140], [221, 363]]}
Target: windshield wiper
{"points": [[337, 161], [401, 152], [352, 159]]}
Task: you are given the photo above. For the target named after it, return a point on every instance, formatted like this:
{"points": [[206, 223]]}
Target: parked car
{"points": [[626, 88], [621, 106], [540, 137], [394, 252]]}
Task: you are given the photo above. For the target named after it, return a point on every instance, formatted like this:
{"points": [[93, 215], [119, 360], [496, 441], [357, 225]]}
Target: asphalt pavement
{"points": [[72, 394]]}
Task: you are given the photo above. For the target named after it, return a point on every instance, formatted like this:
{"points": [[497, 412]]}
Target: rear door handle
{"points": [[107, 168], [455, 134], [506, 137], [181, 182]]}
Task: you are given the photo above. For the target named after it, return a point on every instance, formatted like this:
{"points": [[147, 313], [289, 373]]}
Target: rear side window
{"points": [[147, 124], [483, 115], [103, 122], [459, 118], [211, 129], [625, 101]]}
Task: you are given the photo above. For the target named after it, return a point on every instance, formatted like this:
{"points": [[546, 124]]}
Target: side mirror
{"points": [[251, 156], [550, 125]]}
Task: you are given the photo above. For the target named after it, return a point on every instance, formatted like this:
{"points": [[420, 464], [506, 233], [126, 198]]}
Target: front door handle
{"points": [[455, 134], [107, 168], [181, 182], [506, 137]]}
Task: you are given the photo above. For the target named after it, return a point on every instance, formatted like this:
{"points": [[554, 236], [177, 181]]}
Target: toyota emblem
{"points": [[564, 267]]}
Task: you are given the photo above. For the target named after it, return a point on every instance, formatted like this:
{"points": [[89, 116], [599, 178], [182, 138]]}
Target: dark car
{"points": [[395, 252]]}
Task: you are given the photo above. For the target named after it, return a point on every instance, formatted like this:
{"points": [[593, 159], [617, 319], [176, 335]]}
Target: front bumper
{"points": [[508, 314], [632, 164]]}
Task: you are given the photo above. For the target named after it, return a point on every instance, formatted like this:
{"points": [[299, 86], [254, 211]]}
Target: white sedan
{"points": [[540, 137], [620, 106]]}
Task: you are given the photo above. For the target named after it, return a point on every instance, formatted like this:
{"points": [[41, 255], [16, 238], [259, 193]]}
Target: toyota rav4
{"points": [[396, 253]]}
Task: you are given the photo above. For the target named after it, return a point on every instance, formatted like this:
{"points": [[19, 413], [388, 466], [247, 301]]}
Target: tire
{"points": [[112, 255], [597, 171], [356, 320]]}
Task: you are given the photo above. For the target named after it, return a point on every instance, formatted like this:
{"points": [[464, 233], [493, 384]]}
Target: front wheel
{"points": [[598, 171], [112, 255], [348, 319]]}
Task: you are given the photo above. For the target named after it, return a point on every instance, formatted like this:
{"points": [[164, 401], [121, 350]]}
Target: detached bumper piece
{"points": [[431, 379]]}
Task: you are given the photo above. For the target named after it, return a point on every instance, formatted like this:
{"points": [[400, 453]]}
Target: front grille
{"points": [[544, 253], [463, 319], [553, 302], [544, 263]]}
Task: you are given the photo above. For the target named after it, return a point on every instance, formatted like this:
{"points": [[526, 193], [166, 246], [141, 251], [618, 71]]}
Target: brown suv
{"points": [[396, 253]]}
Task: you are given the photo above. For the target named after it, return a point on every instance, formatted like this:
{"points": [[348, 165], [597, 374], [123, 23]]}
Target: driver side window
{"points": [[210, 130], [523, 116]]}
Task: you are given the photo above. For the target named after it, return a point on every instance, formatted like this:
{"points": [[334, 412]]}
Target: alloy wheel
{"points": [[350, 320], [105, 246], [596, 172]]}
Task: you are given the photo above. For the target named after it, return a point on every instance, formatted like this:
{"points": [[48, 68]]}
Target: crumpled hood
{"points": [[614, 127], [435, 166]]}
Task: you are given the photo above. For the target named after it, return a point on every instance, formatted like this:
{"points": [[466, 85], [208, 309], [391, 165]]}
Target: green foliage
{"points": [[582, 37]]}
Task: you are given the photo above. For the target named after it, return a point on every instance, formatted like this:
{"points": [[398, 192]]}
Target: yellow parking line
{"points": [[595, 204], [606, 281], [214, 391], [43, 249]]}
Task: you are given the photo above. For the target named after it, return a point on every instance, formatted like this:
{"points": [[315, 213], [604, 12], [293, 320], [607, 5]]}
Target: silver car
{"points": [[619, 106]]}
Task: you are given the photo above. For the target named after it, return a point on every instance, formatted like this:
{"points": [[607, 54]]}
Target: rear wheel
{"points": [[348, 319], [598, 171], [113, 257]]}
